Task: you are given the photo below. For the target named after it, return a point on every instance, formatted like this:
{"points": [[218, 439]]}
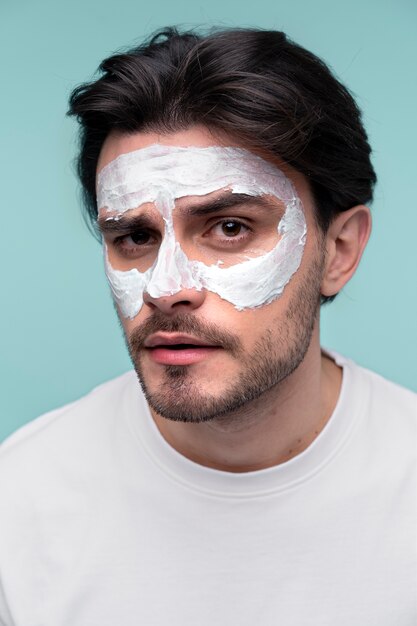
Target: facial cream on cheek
{"points": [[172, 172]]}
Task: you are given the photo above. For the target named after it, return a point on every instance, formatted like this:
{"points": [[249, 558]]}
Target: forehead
{"points": [[198, 136], [182, 147], [160, 173]]}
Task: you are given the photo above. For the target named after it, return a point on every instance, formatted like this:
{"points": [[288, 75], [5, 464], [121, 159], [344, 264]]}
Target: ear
{"points": [[346, 239]]}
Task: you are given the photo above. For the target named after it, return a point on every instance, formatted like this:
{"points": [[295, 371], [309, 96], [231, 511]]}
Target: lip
{"points": [[172, 339], [185, 356], [194, 350]]}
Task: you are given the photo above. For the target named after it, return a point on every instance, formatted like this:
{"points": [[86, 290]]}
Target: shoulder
{"points": [[393, 414], [388, 414], [387, 399], [64, 429], [385, 395]]}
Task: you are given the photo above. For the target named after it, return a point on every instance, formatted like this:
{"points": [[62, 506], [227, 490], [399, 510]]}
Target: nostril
{"points": [[183, 299], [182, 303]]}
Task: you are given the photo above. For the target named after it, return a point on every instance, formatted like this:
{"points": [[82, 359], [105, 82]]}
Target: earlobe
{"points": [[346, 239]]}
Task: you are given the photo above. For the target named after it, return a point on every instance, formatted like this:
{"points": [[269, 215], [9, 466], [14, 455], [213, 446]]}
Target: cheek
{"points": [[247, 325], [127, 288], [130, 325]]}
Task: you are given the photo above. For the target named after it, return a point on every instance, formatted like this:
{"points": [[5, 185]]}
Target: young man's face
{"points": [[205, 342]]}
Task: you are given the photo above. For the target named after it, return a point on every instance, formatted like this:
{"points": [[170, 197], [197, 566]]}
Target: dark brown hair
{"points": [[256, 85]]}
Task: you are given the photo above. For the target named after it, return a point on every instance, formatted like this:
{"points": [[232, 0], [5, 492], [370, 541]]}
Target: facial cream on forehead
{"points": [[140, 176], [161, 174]]}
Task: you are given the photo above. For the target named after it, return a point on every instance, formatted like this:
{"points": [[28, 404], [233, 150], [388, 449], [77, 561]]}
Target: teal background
{"points": [[59, 332]]}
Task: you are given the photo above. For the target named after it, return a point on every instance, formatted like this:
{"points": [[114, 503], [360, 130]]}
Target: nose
{"points": [[185, 299]]}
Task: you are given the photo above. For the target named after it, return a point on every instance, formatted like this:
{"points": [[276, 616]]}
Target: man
{"points": [[251, 477]]}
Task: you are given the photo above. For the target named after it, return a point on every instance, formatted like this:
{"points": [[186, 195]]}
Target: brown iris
{"points": [[231, 229]]}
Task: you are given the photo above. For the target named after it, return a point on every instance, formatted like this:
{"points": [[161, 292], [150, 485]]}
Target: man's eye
{"points": [[136, 238], [231, 228], [136, 243], [140, 237]]}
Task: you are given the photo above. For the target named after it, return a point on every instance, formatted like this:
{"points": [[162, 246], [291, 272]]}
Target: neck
{"points": [[269, 431]]}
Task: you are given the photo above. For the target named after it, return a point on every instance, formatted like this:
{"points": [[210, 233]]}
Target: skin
{"points": [[282, 422]]}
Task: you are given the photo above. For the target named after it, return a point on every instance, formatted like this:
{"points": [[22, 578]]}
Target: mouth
{"points": [[175, 349], [178, 346]]}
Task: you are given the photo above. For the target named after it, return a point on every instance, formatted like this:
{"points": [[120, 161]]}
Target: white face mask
{"points": [[161, 174]]}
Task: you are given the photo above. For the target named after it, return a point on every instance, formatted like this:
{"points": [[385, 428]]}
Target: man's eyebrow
{"points": [[228, 201], [127, 223], [124, 223]]}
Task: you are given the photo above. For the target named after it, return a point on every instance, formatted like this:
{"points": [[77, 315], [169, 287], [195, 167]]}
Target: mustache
{"points": [[183, 323]]}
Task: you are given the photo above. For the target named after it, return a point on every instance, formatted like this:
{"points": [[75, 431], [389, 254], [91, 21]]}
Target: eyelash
{"points": [[120, 242], [232, 240], [122, 246]]}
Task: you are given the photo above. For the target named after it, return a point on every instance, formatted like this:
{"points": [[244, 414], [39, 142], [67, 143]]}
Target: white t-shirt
{"points": [[103, 523]]}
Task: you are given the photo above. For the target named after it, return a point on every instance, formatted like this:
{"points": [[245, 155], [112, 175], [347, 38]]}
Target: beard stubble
{"points": [[275, 355]]}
